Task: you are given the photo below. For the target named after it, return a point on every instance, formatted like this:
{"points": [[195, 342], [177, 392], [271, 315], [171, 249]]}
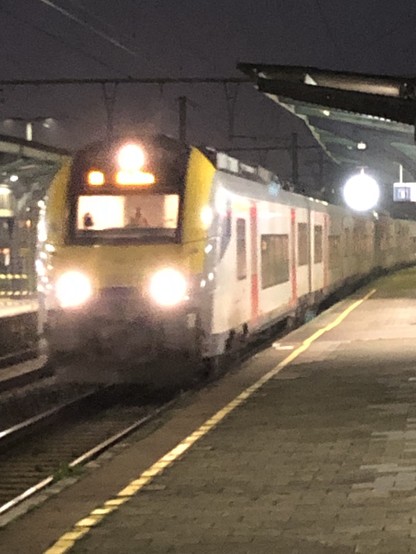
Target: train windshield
{"points": [[134, 216], [128, 190]]}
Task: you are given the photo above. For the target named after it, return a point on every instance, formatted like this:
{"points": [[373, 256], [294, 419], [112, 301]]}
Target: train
{"points": [[149, 248]]}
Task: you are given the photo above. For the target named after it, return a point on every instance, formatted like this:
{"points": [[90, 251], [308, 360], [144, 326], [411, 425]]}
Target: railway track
{"points": [[42, 449], [39, 451]]}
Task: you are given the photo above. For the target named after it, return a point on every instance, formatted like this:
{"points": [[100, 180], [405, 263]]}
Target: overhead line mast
{"points": [[109, 87]]}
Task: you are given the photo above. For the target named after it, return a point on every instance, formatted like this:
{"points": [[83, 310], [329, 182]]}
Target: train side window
{"points": [[318, 244], [303, 244], [241, 249], [274, 260]]}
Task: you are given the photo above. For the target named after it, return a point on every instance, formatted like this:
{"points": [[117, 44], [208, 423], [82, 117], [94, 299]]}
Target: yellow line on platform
{"points": [[67, 541]]}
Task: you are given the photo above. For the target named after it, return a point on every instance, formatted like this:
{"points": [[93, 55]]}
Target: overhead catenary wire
{"points": [[126, 81], [78, 4], [91, 28], [105, 36], [110, 38], [58, 38], [73, 17], [114, 42]]}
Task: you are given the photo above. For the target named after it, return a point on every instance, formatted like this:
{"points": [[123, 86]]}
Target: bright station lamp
{"points": [[361, 192]]}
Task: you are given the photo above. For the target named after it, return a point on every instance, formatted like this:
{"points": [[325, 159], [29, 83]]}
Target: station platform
{"points": [[308, 448], [18, 330], [10, 307]]}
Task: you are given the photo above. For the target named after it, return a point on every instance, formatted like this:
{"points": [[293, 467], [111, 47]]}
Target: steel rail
{"points": [[85, 457], [16, 431]]}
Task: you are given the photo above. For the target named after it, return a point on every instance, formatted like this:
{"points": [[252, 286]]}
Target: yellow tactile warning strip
{"points": [[82, 527]]}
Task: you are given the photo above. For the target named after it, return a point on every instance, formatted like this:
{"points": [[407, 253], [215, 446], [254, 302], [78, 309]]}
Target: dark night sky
{"points": [[188, 38]]}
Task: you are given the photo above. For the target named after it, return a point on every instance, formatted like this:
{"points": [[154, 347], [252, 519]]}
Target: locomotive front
{"points": [[121, 250]]}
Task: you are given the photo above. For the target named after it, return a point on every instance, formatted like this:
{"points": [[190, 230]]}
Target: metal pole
{"points": [[109, 96], [231, 99], [295, 166]]}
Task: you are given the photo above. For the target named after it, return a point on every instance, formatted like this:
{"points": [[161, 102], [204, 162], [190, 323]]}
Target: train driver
{"points": [[138, 220]]}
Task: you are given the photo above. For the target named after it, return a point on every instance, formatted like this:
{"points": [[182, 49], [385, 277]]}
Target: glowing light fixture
{"points": [[130, 157], [361, 145], [95, 178], [73, 289], [135, 178], [168, 287], [361, 192]]}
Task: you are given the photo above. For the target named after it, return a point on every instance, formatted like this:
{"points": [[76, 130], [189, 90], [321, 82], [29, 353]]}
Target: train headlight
{"points": [[168, 287], [130, 157], [72, 289]]}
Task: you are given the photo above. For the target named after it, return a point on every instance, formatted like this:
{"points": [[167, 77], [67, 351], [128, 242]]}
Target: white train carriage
{"points": [[272, 254]]}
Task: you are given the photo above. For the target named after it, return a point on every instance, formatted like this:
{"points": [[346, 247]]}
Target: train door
{"points": [[319, 226], [240, 291], [232, 297], [303, 278]]}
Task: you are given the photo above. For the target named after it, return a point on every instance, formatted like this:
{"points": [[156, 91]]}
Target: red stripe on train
{"points": [[254, 296]]}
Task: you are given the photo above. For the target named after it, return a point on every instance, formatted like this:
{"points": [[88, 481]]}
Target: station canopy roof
{"points": [[27, 168], [360, 120]]}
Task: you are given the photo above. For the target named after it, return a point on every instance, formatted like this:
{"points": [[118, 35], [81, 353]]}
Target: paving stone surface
{"points": [[321, 460]]}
